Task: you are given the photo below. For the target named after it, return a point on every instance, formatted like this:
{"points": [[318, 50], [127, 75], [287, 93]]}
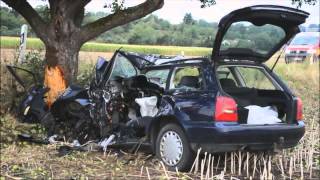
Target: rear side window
{"points": [[188, 78], [225, 74], [255, 78], [159, 76]]}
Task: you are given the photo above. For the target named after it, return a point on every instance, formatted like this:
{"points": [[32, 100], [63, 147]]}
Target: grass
{"points": [[21, 160], [35, 43]]}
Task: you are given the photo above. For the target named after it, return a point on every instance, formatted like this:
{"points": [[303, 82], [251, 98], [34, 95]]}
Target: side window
{"points": [[255, 78], [225, 76], [159, 76], [123, 67], [186, 78]]}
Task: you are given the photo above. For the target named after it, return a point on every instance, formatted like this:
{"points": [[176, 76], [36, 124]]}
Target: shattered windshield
{"points": [[258, 39], [123, 67]]}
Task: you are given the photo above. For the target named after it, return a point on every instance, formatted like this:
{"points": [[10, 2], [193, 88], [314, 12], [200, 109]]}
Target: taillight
{"points": [[299, 110], [226, 109]]}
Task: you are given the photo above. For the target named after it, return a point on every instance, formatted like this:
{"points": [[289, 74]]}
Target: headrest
{"points": [[227, 83], [190, 81]]}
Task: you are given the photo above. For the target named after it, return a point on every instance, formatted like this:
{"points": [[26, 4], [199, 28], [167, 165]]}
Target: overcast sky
{"points": [[174, 10]]}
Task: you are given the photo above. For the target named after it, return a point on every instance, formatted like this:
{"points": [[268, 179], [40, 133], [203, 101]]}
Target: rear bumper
{"points": [[222, 137]]}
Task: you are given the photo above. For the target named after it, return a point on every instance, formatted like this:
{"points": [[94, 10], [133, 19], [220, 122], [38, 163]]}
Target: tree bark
{"points": [[64, 45], [66, 57]]}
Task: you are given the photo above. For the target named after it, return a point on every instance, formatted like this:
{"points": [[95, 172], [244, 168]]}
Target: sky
{"points": [[174, 10]]}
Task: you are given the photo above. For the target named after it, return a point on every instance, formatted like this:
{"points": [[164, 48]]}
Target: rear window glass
{"points": [[259, 39], [255, 78], [225, 74], [232, 77]]}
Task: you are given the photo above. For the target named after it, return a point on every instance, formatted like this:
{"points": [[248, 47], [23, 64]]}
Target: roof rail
{"points": [[184, 60]]}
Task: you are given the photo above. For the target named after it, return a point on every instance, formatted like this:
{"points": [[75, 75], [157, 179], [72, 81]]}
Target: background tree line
{"points": [[154, 30]]}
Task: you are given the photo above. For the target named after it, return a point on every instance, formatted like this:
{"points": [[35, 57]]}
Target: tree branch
{"points": [[120, 17], [31, 16], [78, 18], [76, 11], [77, 5]]}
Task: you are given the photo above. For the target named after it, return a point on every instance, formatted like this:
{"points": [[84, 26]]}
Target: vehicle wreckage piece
{"points": [[95, 112], [106, 142]]}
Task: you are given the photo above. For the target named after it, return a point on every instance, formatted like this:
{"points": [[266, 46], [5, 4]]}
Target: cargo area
{"points": [[259, 98]]}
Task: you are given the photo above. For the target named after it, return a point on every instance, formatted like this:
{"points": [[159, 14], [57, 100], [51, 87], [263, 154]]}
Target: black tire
{"points": [[188, 155]]}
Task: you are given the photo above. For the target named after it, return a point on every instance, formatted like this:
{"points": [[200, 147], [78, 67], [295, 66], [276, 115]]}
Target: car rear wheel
{"points": [[172, 147]]}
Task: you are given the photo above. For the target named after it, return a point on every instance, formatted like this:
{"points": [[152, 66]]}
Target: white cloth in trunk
{"points": [[148, 106], [262, 115]]}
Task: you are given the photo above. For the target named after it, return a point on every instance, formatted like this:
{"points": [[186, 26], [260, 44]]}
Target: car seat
{"points": [[189, 82], [244, 96]]}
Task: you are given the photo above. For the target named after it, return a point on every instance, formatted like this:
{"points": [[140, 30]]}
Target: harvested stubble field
{"points": [[22, 160]]}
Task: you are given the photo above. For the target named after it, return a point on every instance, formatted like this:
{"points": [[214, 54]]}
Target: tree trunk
{"points": [[63, 45], [66, 57]]}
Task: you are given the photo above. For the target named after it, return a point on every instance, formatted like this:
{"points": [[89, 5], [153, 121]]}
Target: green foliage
{"points": [[207, 3], [116, 5], [187, 19], [10, 22], [35, 63], [44, 12], [299, 3], [85, 74], [154, 30]]}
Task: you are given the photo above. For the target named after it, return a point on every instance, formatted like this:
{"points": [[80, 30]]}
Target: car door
{"points": [[188, 89]]}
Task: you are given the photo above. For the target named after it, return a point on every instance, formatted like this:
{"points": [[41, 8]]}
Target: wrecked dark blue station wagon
{"points": [[229, 102]]}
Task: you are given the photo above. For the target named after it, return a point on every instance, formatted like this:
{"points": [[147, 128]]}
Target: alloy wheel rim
{"points": [[171, 148]]}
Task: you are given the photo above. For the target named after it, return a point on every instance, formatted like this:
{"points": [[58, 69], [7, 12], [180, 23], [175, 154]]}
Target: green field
{"points": [[35, 43]]}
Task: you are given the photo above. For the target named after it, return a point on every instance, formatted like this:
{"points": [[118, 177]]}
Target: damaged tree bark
{"points": [[64, 34]]}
